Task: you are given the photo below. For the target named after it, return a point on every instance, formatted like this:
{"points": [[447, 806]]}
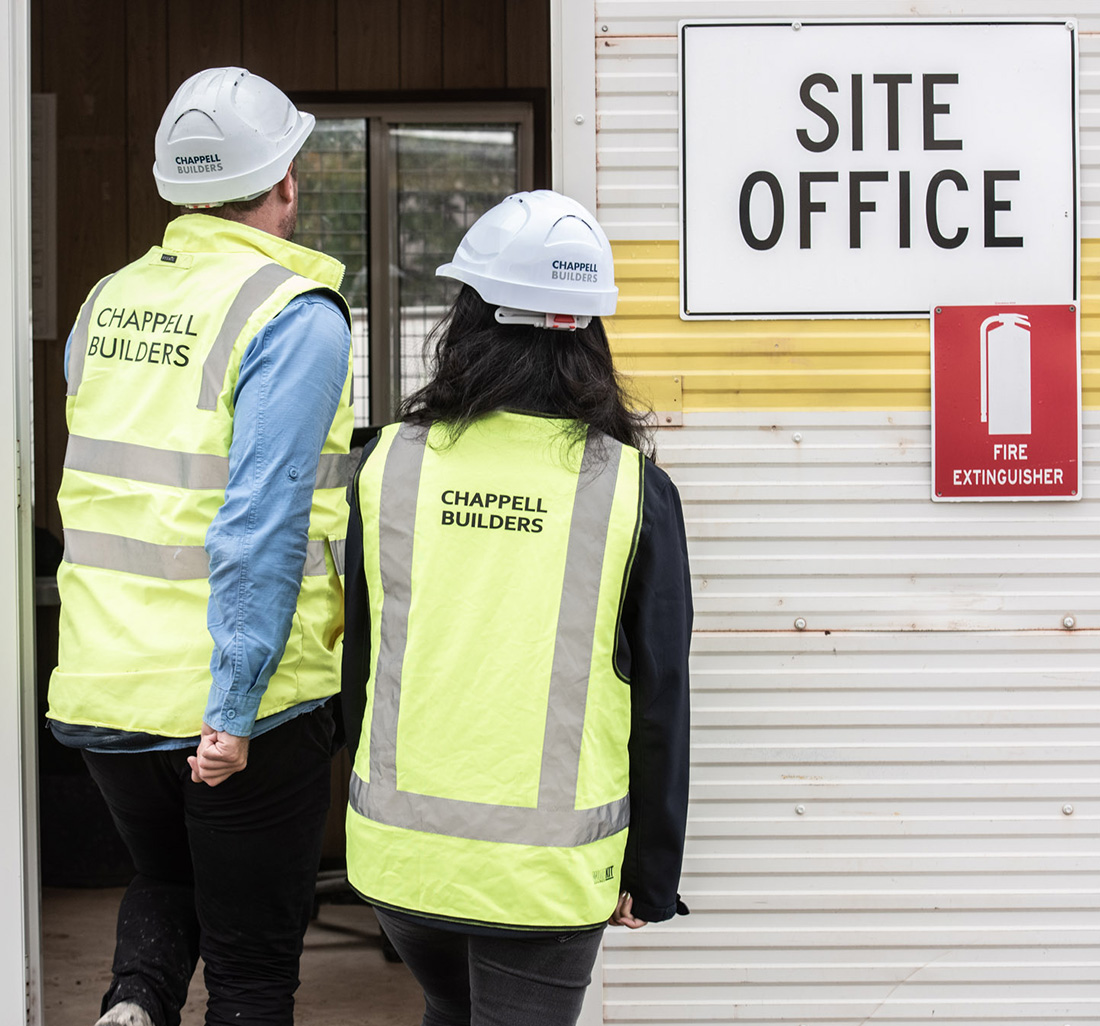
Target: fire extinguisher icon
{"points": [[1006, 374]]}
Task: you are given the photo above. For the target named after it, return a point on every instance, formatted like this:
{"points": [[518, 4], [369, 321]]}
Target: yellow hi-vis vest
{"points": [[491, 781], [153, 366]]}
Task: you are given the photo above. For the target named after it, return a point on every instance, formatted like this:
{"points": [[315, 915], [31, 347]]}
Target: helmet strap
{"points": [[556, 322]]}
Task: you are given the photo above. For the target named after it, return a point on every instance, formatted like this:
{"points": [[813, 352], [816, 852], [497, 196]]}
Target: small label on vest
{"points": [[600, 876], [168, 258]]}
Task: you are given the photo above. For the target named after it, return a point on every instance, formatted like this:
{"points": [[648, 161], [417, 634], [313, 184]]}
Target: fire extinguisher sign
{"points": [[1006, 402]]}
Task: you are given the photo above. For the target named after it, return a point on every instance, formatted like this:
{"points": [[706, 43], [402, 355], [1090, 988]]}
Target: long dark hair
{"points": [[479, 366]]}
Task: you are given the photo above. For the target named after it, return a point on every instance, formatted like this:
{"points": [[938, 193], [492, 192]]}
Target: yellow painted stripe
{"points": [[723, 365]]}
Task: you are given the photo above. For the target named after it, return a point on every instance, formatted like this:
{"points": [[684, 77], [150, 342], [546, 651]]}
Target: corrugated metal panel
{"points": [[896, 811], [866, 364], [637, 94]]}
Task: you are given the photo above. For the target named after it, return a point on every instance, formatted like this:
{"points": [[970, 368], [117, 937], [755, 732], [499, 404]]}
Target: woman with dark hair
{"points": [[518, 615]]}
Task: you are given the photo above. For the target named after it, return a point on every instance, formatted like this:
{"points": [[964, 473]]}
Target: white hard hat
{"points": [[540, 252], [226, 135]]}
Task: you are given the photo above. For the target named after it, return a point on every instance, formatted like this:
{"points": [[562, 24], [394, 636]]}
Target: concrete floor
{"points": [[345, 979]]}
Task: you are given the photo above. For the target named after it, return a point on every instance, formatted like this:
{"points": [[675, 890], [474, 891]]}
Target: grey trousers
{"points": [[484, 980]]}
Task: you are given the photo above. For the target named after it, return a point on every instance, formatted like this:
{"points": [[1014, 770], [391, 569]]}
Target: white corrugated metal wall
{"points": [[896, 810]]}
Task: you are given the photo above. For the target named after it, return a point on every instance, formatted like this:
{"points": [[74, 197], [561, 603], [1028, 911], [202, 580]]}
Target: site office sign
{"points": [[876, 167], [1006, 402]]}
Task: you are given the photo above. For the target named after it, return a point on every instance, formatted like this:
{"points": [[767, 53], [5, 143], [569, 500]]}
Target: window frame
{"points": [[383, 316]]}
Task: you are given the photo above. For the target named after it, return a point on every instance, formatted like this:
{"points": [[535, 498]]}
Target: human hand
{"points": [[218, 756], [622, 915]]}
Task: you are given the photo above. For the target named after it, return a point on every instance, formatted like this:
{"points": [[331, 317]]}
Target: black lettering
{"points": [[777, 210], [931, 109], [496, 521], [536, 525], [481, 521], [170, 325], [445, 500], [463, 519], [142, 351], [132, 320], [857, 205], [490, 499], [190, 317], [126, 352], [462, 498], [106, 311], [892, 82], [167, 352], [158, 320], [930, 209], [992, 205], [905, 213], [93, 345], [509, 523], [103, 348], [806, 206], [448, 516], [182, 358], [517, 502], [832, 132], [146, 317], [857, 112], [522, 523], [539, 507], [477, 500], [115, 320], [154, 352]]}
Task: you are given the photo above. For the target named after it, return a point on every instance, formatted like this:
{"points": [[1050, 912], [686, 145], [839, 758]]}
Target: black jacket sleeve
{"points": [[654, 636], [355, 669]]}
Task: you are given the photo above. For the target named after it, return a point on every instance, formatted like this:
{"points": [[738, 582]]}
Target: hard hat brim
{"points": [[539, 298]]}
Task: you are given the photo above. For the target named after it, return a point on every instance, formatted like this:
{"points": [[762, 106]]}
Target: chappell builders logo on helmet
{"points": [[202, 163], [574, 270]]}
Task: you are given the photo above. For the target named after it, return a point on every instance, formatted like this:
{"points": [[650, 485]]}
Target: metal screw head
{"points": [[800, 810], [579, 119], [800, 624], [796, 437], [796, 25], [1069, 622], [603, 28], [1067, 809]]}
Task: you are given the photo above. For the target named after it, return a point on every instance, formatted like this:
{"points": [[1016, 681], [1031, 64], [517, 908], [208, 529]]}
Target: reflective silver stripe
{"points": [[580, 594], [143, 463], [338, 545], [115, 552], [397, 510], [79, 346], [555, 822], [252, 293], [315, 556], [168, 562], [565, 828], [334, 470]]}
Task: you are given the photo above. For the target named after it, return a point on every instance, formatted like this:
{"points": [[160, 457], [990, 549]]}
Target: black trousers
{"points": [[485, 980], [224, 872]]}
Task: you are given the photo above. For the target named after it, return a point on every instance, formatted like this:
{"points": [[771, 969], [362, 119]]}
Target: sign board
{"points": [[1006, 402], [874, 168]]}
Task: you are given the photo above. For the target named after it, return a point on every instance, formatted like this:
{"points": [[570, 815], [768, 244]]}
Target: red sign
{"points": [[1006, 402]]}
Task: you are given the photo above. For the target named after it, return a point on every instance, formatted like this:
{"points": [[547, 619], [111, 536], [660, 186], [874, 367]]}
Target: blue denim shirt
{"points": [[291, 377]]}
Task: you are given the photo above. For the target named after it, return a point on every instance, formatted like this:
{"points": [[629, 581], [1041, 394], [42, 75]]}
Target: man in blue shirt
{"points": [[217, 776]]}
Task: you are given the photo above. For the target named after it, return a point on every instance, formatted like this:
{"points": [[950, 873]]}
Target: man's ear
{"points": [[288, 187]]}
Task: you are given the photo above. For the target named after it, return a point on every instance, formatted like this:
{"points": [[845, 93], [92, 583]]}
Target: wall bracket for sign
{"points": [[1006, 402], [871, 167]]}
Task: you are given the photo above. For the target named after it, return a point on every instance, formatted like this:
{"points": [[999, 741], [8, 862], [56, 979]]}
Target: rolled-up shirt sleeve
{"points": [[291, 378]]}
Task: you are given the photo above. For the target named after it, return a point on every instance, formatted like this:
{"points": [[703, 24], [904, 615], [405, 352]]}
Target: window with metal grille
{"points": [[391, 192]]}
